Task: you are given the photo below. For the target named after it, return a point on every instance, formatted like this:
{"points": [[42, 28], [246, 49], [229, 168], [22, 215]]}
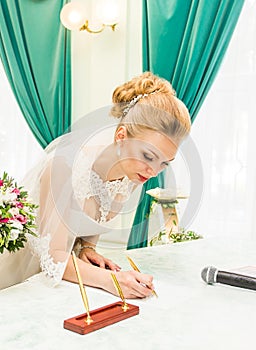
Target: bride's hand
{"points": [[134, 284], [90, 256]]}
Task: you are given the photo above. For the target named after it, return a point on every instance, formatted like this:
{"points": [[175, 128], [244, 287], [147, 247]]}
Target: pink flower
{"points": [[4, 220], [16, 190], [1, 183], [19, 205], [21, 218]]}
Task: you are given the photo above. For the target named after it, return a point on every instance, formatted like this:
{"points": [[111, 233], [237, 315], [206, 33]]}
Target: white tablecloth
{"points": [[188, 314]]}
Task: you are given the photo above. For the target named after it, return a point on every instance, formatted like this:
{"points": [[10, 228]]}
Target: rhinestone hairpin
{"points": [[135, 100], [132, 103]]}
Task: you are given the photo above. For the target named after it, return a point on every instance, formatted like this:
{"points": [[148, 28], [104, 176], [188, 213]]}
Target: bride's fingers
{"points": [[134, 285], [111, 265], [85, 259]]}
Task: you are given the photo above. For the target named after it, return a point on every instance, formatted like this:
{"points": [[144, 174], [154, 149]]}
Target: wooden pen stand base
{"points": [[101, 317]]}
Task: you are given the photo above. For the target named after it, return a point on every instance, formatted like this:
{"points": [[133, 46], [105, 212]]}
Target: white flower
{"points": [[17, 225], [13, 211], [8, 196], [16, 214], [14, 234]]}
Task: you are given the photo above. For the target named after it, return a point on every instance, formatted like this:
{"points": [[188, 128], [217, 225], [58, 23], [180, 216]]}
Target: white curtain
{"points": [[19, 149], [224, 132]]}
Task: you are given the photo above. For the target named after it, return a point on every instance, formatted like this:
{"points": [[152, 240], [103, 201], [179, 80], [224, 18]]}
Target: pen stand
{"points": [[101, 317]]}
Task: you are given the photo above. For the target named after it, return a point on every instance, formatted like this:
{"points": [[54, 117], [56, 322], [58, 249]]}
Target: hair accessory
{"points": [[135, 100]]}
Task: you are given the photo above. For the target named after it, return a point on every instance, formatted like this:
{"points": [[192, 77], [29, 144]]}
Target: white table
{"points": [[188, 314]]}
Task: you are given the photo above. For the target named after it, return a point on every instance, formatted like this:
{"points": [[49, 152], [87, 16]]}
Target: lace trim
{"points": [[107, 191], [87, 183], [40, 246]]}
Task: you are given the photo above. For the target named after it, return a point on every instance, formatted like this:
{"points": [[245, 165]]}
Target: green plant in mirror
{"points": [[182, 235]]}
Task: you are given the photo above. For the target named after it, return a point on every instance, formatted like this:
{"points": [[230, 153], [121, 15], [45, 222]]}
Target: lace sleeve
{"points": [[55, 240]]}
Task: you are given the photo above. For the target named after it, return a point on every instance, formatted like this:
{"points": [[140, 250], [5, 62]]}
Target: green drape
{"points": [[139, 234], [35, 51], [184, 41]]}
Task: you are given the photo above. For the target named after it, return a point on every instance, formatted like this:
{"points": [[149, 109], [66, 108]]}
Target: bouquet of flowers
{"points": [[17, 215]]}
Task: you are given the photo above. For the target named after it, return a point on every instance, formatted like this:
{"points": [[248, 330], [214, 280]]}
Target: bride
{"points": [[84, 180]]}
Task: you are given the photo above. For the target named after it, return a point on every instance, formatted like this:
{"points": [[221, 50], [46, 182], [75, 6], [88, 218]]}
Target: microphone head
{"points": [[209, 274]]}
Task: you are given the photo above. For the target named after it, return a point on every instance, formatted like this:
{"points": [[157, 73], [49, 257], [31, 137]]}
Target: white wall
{"points": [[19, 149], [100, 62]]}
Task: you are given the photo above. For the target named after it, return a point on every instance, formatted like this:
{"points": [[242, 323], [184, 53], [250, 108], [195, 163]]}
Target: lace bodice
{"points": [[88, 184]]}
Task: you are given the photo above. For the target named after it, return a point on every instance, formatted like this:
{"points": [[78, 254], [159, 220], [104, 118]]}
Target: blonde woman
{"points": [[83, 184]]}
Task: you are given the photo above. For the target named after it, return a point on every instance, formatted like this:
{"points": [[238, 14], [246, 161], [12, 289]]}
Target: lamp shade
{"points": [[107, 12], [72, 15]]}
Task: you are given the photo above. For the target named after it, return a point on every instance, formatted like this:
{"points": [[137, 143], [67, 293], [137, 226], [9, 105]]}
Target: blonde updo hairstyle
{"points": [[157, 107]]}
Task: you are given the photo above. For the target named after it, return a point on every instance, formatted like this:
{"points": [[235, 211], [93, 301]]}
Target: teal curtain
{"points": [[138, 237], [35, 51], [183, 42]]}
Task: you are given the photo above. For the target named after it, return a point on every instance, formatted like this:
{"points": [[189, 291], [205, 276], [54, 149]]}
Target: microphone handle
{"points": [[236, 280]]}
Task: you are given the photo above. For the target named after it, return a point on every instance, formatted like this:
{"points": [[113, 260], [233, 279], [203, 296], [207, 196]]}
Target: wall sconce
{"points": [[73, 17]]}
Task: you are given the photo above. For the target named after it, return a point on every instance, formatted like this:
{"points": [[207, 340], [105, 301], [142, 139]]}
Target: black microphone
{"points": [[212, 275]]}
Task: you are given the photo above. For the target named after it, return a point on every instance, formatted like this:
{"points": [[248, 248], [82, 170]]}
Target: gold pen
{"points": [[125, 307], [82, 289], [135, 268]]}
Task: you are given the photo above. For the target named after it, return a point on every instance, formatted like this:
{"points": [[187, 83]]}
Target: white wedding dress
{"points": [[55, 242], [73, 199], [101, 196]]}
